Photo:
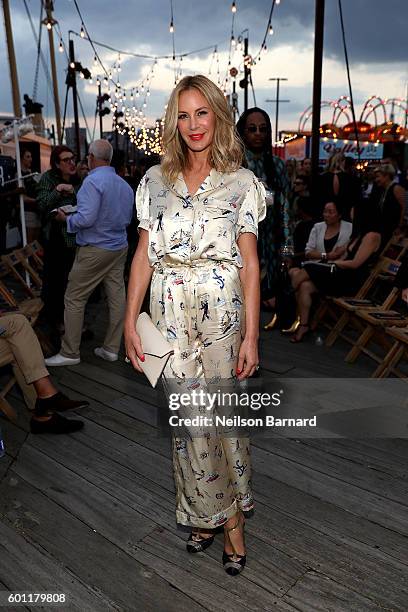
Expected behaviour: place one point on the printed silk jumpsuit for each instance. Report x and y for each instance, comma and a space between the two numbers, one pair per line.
197, 303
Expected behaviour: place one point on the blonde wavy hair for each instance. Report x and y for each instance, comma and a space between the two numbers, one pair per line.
226, 151
336, 162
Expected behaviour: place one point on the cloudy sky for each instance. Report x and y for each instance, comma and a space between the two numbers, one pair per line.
376, 33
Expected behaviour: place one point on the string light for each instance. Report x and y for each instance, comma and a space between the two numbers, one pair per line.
61, 46
171, 28
82, 32
49, 25
234, 7
269, 30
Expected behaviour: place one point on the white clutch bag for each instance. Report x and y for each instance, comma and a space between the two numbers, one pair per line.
156, 349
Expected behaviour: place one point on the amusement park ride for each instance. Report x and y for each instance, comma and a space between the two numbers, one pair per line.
383, 115
382, 123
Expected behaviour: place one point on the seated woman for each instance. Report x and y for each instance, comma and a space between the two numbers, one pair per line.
328, 239
346, 276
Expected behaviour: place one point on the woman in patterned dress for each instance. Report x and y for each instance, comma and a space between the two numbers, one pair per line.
254, 128
198, 217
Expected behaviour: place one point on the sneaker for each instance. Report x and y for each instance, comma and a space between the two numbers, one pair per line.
59, 403
60, 360
104, 354
57, 424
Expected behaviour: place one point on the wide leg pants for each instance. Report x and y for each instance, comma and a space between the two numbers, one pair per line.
199, 309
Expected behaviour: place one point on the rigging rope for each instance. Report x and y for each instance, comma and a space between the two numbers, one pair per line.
40, 54
349, 79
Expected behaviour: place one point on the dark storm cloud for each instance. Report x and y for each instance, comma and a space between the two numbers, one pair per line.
375, 29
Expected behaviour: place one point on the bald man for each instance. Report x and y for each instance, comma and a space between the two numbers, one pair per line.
104, 210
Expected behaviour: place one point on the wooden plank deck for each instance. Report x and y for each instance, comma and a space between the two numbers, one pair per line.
92, 515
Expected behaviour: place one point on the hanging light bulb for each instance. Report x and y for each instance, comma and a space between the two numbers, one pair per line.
277, 1
270, 29
95, 61
233, 41
61, 46
49, 25
72, 65
119, 68
234, 7
82, 32
171, 28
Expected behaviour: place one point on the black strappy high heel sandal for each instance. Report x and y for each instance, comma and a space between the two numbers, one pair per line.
234, 563
197, 544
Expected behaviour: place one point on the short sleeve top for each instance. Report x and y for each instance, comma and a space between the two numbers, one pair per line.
184, 228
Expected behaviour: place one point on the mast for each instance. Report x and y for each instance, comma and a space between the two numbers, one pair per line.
12, 60
50, 22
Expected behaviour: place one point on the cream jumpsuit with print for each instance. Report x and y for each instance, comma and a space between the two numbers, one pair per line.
197, 303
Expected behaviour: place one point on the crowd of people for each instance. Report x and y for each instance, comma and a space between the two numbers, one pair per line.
344, 219
225, 227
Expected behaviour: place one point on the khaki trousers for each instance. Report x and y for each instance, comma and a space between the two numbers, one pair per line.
19, 346
91, 267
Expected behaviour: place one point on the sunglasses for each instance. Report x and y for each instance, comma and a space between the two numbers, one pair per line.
254, 128
68, 160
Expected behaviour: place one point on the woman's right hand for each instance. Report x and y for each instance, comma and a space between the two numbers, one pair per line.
65, 187
133, 347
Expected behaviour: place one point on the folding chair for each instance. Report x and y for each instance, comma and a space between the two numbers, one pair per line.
385, 270
376, 321
398, 349
4, 405
18, 266
30, 307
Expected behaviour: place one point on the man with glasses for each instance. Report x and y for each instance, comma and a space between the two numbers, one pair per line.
105, 206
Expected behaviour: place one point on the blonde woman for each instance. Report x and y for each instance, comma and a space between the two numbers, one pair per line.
198, 217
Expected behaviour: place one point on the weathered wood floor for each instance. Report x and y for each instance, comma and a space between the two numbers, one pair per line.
92, 515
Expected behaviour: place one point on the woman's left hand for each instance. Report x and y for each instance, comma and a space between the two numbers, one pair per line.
248, 359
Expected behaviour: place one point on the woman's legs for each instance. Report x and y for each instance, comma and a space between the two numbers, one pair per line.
304, 294
298, 276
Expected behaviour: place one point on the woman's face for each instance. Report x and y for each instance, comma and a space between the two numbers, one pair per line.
27, 159
299, 185
66, 164
256, 131
196, 120
330, 214
381, 180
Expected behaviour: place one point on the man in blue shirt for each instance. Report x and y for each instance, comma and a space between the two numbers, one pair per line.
104, 210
